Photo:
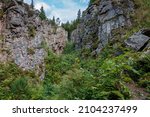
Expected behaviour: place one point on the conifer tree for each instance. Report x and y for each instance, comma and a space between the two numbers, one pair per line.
53, 19
32, 3
91, 2
79, 15
42, 14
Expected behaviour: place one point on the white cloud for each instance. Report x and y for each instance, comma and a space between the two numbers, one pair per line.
38, 6
66, 13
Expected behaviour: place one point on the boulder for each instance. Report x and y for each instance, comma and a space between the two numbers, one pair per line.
139, 40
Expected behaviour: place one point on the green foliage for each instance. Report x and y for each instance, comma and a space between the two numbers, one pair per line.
70, 26
144, 83
77, 75
18, 84
93, 1
20, 88
141, 16
1, 13
31, 51
1, 38
79, 15
44, 46
73, 77
53, 21
42, 14
70, 76
69, 48
31, 31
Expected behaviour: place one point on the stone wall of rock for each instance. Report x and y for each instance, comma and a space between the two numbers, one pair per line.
23, 37
99, 21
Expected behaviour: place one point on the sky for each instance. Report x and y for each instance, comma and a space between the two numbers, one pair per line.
66, 10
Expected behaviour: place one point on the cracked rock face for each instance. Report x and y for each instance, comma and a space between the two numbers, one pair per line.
23, 36
113, 15
99, 21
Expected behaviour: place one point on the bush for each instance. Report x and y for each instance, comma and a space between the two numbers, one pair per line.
1, 14
17, 84
31, 31
20, 88
70, 48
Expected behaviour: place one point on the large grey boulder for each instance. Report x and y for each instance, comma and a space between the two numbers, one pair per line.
139, 40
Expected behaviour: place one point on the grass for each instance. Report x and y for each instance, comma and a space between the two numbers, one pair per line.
70, 76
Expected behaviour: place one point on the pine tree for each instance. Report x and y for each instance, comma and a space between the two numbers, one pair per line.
91, 2
79, 15
32, 4
53, 19
42, 14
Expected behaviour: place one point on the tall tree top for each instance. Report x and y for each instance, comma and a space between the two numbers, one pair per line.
32, 3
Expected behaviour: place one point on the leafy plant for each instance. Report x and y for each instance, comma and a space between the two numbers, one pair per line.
31, 31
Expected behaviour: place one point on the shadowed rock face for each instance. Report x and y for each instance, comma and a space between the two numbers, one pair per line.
25, 37
113, 15
99, 21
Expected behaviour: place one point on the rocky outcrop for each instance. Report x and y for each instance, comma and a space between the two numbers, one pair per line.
99, 21
139, 40
25, 37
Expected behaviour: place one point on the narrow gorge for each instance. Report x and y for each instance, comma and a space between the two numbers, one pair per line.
106, 56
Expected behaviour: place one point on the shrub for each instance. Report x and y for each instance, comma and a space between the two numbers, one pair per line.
31, 51
93, 1
18, 84
1, 14
20, 89
69, 48
31, 31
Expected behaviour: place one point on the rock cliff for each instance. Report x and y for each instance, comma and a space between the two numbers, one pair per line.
99, 22
24, 37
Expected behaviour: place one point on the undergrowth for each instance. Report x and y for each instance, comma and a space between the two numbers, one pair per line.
70, 76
